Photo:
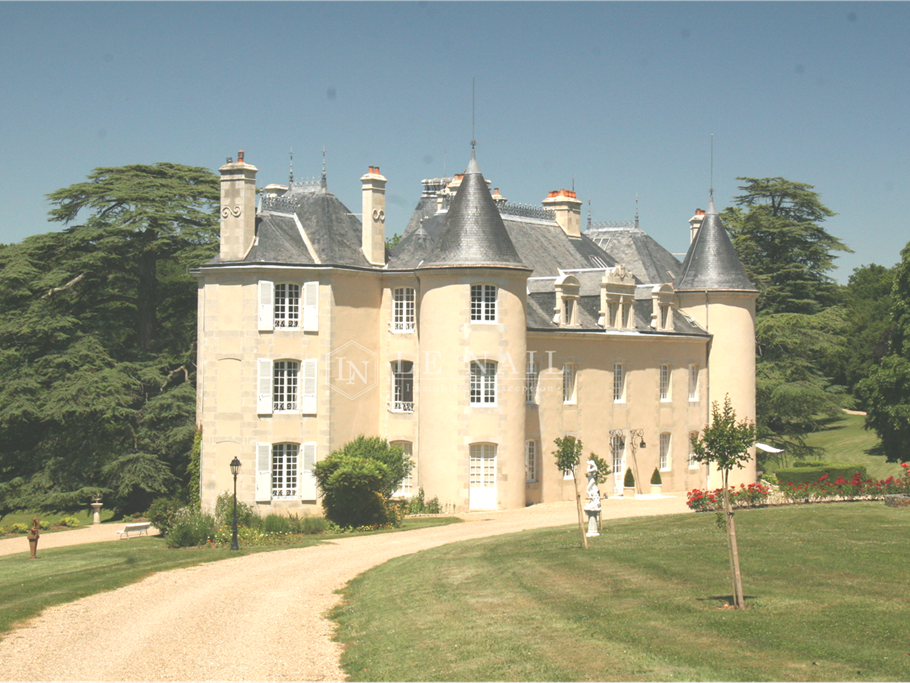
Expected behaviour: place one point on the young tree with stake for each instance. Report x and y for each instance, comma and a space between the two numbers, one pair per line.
725, 443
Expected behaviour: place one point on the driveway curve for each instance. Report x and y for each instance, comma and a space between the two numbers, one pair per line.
255, 618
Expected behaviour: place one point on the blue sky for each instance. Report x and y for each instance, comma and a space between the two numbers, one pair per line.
621, 97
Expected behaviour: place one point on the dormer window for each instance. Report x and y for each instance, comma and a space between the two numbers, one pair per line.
662, 297
617, 292
483, 303
567, 289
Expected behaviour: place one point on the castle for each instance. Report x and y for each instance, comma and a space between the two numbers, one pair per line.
489, 331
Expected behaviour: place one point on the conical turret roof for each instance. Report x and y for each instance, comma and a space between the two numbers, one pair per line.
473, 233
711, 262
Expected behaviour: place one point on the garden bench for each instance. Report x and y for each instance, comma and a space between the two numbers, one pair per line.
137, 528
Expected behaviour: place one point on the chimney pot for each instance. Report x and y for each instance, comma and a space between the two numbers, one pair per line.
699, 212
240, 157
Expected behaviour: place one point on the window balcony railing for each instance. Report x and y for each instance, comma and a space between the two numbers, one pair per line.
401, 406
401, 327
284, 406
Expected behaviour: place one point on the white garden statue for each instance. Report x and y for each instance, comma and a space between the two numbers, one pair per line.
592, 509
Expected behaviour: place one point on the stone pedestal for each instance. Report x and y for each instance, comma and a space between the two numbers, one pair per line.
96, 517
593, 516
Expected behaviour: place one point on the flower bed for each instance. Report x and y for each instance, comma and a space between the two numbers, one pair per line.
753, 495
858, 487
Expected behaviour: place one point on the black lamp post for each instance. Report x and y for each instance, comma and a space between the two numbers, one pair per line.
235, 470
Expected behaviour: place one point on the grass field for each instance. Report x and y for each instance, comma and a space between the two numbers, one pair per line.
65, 574
845, 440
826, 590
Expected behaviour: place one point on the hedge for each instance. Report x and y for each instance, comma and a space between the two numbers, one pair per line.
811, 474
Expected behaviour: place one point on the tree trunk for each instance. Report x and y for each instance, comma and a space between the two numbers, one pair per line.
146, 300
738, 599
581, 523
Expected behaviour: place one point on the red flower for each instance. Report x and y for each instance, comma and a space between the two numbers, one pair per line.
824, 476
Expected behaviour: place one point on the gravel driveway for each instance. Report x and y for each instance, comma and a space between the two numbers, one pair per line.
254, 618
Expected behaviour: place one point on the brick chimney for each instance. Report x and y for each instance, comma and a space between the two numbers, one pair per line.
238, 208
373, 232
568, 210
695, 224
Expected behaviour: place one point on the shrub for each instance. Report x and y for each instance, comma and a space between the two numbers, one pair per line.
655, 478
312, 524
162, 513
753, 495
629, 480
191, 527
224, 512
273, 523
419, 505
351, 488
69, 522
18, 528
44, 526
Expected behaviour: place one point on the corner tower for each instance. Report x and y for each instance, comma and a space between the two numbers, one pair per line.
472, 325
715, 291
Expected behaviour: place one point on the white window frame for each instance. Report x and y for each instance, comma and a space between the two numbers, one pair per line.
482, 476
403, 317
483, 303
285, 471
286, 386
306, 386
286, 306
619, 383
402, 387
406, 488
483, 383
569, 382
664, 457
304, 483
532, 377
531, 460
665, 381
307, 307
693, 382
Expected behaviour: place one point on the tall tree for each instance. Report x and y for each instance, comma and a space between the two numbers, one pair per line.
775, 227
886, 391
98, 397
725, 443
776, 232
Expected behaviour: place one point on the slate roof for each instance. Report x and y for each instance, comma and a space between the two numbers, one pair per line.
711, 262
639, 252
472, 232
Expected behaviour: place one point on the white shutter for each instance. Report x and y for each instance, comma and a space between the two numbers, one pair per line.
310, 306
264, 387
307, 480
308, 387
263, 472
266, 305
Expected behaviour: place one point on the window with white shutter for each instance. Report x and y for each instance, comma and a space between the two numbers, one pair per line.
307, 480
311, 306
263, 472
266, 305
308, 387
264, 387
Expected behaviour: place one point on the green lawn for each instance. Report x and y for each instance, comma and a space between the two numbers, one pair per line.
85, 519
65, 574
845, 440
826, 590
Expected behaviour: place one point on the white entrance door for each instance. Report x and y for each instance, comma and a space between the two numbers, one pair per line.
618, 446
483, 476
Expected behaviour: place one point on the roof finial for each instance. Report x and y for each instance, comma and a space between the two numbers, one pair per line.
323, 183
589, 214
473, 141
711, 191
291, 176
636, 210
